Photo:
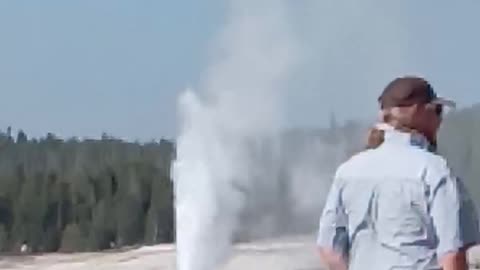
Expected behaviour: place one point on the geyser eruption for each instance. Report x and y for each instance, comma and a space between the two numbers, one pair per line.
236, 167
239, 105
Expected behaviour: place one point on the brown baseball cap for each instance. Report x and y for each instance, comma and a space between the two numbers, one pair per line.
408, 91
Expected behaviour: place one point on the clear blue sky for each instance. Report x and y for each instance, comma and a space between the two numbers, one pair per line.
84, 67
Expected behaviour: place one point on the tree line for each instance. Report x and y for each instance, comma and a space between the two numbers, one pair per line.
86, 195
91, 195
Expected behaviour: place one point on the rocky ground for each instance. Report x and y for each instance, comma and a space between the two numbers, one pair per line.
292, 254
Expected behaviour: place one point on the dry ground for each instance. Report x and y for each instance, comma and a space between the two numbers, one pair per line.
291, 254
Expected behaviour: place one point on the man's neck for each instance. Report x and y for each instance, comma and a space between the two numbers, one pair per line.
407, 136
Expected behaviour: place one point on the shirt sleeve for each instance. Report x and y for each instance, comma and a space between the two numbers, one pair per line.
333, 232
454, 216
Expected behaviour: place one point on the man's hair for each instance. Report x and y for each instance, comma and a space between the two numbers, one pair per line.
398, 117
375, 138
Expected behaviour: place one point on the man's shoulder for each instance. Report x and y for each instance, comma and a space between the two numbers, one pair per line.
356, 162
420, 156
434, 163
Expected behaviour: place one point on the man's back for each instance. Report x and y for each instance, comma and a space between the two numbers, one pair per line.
400, 206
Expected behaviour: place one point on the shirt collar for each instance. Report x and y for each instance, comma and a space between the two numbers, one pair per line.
394, 136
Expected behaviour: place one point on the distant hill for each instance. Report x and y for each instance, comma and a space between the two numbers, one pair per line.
459, 141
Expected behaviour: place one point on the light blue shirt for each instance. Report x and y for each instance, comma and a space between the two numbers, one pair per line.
397, 207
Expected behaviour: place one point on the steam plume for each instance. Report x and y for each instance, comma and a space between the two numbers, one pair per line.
231, 150
241, 102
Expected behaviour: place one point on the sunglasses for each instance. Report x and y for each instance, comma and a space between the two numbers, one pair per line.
438, 108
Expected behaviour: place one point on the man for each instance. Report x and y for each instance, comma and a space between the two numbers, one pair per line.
397, 205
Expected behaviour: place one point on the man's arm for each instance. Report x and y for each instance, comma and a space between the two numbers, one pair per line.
333, 239
456, 223
454, 261
332, 259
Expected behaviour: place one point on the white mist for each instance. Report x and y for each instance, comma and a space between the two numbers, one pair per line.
239, 101
231, 153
